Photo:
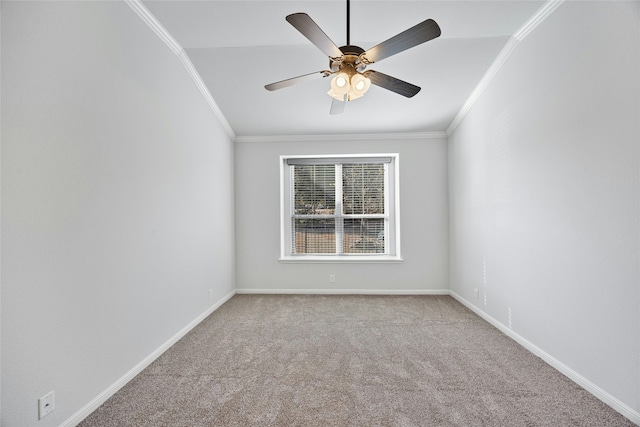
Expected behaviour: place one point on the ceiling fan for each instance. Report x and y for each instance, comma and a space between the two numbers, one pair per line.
348, 63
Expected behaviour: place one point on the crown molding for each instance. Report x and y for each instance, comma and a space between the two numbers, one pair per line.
543, 13
195, 76
151, 21
343, 137
497, 64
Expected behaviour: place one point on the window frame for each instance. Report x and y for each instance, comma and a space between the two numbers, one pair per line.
392, 209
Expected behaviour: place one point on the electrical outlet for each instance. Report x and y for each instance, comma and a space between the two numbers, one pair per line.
332, 278
210, 293
477, 293
46, 405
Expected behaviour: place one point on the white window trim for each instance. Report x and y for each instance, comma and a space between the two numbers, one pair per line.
285, 257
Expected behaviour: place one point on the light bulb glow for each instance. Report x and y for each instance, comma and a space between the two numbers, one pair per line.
339, 87
347, 87
359, 86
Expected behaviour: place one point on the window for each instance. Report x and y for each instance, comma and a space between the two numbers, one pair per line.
340, 208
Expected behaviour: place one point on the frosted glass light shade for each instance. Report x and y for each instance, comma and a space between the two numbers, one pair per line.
359, 86
339, 86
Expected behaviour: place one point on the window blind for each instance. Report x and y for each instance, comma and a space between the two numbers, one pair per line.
338, 208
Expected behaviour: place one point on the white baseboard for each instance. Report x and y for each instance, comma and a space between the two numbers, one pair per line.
345, 291
76, 418
583, 382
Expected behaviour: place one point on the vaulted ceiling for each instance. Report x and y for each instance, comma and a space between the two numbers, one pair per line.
239, 46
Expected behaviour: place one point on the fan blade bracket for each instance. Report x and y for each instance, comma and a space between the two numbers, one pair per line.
335, 64
362, 59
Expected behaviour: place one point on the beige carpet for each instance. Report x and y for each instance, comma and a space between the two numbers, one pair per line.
277, 360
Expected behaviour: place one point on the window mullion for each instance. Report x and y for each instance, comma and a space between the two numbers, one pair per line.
386, 209
339, 214
292, 202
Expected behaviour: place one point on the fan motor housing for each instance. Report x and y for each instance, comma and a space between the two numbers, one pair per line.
352, 50
350, 58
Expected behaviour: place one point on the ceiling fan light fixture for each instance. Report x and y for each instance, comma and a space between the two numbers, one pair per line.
341, 81
359, 86
347, 64
339, 86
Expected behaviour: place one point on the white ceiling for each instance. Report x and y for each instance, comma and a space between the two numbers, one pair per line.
239, 46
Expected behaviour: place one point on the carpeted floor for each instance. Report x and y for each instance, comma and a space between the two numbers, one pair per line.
284, 360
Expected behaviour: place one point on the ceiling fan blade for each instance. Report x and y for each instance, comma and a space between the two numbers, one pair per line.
418, 34
303, 23
295, 80
337, 107
391, 83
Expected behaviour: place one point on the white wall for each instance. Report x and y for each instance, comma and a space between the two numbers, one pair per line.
423, 218
544, 193
117, 202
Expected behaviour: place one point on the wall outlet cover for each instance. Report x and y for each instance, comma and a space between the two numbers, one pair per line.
46, 405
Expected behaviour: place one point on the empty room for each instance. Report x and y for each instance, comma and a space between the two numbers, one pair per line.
319, 213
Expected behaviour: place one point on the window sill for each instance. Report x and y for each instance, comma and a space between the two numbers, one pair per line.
330, 259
